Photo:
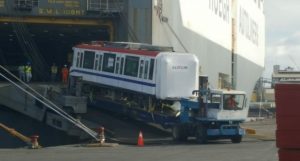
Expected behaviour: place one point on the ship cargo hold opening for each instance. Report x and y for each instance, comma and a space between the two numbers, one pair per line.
44, 42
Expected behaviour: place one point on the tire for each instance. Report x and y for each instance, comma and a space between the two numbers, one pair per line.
236, 139
201, 134
178, 133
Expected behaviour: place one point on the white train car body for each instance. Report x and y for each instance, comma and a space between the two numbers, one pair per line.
163, 74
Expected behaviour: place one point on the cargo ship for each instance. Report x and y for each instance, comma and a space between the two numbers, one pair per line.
226, 36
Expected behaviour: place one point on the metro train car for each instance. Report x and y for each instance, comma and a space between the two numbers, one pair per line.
133, 72
156, 85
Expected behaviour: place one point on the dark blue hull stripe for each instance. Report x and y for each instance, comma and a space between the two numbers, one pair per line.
114, 77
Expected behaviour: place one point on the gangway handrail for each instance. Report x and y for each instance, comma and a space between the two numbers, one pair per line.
56, 109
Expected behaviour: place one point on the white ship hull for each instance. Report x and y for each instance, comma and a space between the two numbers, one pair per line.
220, 33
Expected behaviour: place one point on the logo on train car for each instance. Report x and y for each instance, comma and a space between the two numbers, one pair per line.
180, 67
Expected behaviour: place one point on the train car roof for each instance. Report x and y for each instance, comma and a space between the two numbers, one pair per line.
125, 47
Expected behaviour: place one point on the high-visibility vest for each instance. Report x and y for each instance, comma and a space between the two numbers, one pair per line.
28, 69
54, 69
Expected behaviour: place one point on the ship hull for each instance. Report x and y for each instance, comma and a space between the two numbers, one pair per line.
227, 36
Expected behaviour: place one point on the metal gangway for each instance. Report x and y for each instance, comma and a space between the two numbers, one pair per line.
46, 102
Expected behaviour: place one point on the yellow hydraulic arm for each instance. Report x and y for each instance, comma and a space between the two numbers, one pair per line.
15, 133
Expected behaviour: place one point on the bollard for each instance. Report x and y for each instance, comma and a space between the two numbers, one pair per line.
101, 135
101, 140
34, 142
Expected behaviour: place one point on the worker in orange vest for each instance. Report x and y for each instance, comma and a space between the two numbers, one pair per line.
65, 74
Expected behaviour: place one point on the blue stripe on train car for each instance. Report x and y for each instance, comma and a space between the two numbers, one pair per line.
114, 77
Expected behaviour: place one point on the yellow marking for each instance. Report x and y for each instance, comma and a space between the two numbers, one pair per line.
250, 131
262, 137
15, 133
53, 20
60, 12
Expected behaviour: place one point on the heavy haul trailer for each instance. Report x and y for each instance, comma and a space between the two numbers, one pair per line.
155, 85
207, 117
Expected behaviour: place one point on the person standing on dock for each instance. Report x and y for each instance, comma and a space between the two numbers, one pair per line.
28, 72
53, 72
21, 70
65, 73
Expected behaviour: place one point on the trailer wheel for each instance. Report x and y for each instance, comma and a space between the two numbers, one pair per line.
201, 134
178, 133
236, 139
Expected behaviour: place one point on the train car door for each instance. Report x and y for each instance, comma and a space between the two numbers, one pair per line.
119, 68
141, 73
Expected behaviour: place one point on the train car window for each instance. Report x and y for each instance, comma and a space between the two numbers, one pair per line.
141, 69
109, 62
146, 69
96, 62
100, 63
89, 57
151, 69
117, 67
131, 66
121, 67
81, 60
78, 60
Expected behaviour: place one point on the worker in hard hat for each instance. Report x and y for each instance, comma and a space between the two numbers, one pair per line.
21, 70
65, 74
28, 71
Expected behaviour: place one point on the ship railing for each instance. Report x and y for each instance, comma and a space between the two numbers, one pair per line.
23, 4
107, 6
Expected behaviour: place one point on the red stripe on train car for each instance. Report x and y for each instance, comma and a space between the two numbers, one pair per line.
119, 50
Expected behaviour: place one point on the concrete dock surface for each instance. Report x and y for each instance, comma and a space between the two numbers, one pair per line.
218, 151
221, 150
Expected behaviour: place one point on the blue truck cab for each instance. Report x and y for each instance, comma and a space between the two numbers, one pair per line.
215, 114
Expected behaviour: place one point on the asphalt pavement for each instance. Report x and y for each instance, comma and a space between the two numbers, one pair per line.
248, 150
